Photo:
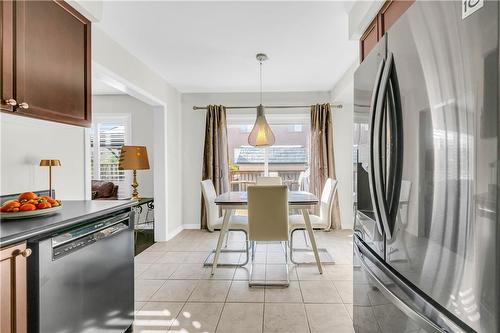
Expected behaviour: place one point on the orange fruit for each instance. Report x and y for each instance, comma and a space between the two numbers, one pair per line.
9, 205
43, 205
28, 196
27, 207
49, 199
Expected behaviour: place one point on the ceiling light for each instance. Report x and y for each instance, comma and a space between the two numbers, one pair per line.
261, 134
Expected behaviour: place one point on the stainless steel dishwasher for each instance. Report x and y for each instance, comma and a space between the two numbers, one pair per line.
82, 280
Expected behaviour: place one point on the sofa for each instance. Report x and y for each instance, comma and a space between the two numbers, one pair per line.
104, 190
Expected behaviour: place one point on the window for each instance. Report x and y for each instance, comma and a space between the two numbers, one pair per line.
108, 135
246, 128
287, 158
295, 128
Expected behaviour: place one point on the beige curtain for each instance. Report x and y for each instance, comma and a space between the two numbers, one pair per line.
322, 160
215, 153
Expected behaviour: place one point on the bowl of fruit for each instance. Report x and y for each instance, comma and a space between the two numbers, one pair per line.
28, 204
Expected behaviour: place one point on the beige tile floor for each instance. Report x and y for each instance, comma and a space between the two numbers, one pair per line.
174, 293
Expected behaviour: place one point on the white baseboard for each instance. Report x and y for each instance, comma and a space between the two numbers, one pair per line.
174, 233
191, 226
177, 230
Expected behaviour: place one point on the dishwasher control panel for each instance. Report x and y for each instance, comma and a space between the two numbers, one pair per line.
70, 247
80, 237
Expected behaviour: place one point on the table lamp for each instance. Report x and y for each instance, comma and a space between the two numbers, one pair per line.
50, 164
134, 158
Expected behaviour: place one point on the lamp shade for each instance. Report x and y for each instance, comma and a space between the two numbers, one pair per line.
50, 163
134, 158
261, 134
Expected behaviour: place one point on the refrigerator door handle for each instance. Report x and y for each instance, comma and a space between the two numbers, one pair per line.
386, 186
374, 138
396, 145
425, 322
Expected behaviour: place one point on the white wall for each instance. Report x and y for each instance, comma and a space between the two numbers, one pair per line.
178, 137
343, 93
138, 80
361, 15
174, 157
25, 141
193, 133
141, 131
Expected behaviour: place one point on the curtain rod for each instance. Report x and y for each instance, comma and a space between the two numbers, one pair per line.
334, 106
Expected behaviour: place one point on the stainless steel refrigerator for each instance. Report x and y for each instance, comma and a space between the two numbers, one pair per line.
426, 150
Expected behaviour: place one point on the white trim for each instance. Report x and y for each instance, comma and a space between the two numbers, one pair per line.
172, 234
361, 15
87, 157
118, 82
192, 226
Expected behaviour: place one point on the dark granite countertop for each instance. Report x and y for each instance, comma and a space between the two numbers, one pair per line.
72, 213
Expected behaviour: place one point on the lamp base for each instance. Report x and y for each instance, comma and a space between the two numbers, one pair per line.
135, 194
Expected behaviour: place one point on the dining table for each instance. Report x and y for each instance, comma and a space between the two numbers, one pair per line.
299, 200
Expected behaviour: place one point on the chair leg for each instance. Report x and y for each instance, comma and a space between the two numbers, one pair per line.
227, 238
305, 238
286, 264
246, 251
286, 252
271, 284
250, 274
292, 249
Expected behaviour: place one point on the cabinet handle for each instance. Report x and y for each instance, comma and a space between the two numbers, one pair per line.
24, 105
11, 102
26, 253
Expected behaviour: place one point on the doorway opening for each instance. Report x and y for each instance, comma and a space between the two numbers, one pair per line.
124, 115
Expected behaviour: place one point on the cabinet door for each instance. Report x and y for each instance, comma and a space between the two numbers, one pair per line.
13, 289
369, 39
390, 13
53, 58
7, 56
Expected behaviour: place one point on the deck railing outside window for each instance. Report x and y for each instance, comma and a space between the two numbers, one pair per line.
240, 180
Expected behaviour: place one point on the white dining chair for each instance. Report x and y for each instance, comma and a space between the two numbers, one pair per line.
303, 180
214, 221
268, 221
321, 222
269, 181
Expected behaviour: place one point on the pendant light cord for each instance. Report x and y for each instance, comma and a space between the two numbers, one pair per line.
260, 62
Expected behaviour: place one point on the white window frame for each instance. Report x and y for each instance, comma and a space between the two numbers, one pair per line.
296, 128
125, 118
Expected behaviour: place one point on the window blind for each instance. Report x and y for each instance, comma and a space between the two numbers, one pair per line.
110, 137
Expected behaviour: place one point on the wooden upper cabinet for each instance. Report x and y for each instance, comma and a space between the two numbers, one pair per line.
388, 14
52, 57
13, 280
7, 56
369, 39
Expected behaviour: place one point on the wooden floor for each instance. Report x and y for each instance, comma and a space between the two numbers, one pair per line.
175, 293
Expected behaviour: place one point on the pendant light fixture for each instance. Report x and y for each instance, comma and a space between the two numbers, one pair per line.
261, 134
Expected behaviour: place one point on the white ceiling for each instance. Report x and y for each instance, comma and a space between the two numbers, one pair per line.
211, 46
